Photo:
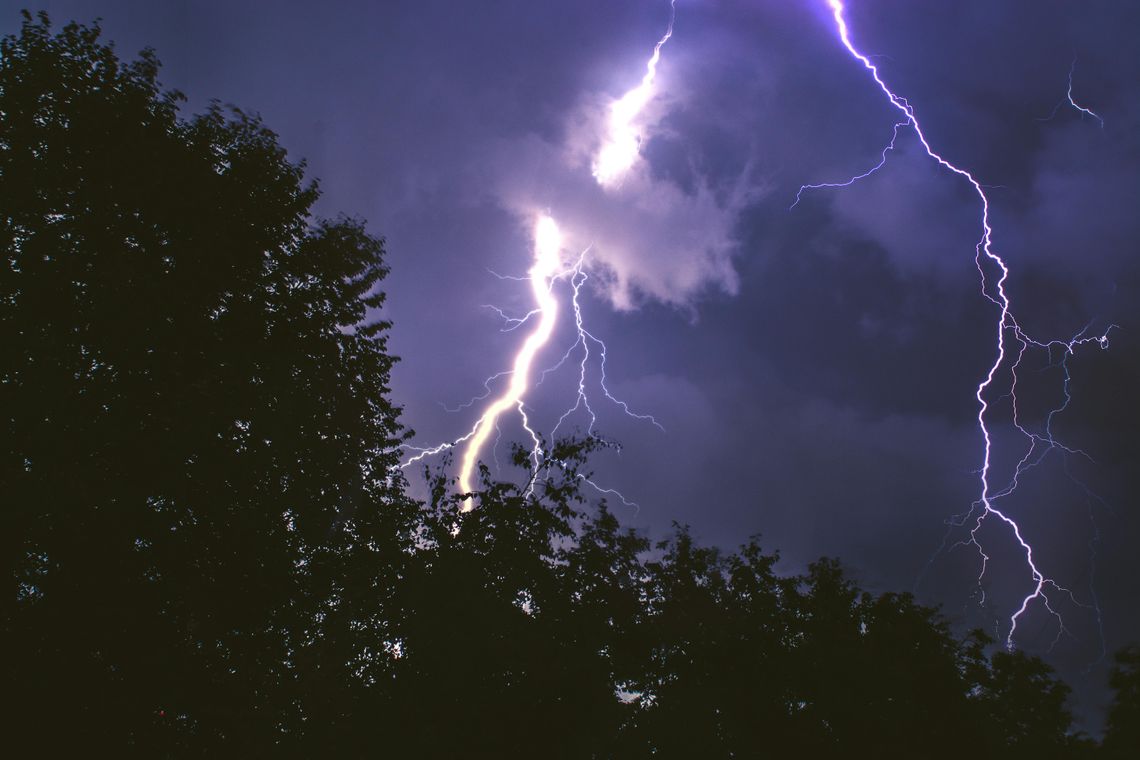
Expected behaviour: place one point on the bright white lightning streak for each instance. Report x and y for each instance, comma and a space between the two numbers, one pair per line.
547, 262
623, 141
547, 270
1042, 585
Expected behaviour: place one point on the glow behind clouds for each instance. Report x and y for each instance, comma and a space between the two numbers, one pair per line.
623, 139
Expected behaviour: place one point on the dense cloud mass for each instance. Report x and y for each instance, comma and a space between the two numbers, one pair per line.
819, 361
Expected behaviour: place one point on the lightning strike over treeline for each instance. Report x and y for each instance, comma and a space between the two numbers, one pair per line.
1011, 341
618, 153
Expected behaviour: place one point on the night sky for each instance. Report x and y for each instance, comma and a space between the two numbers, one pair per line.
814, 369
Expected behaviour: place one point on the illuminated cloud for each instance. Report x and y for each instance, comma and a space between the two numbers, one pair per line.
650, 237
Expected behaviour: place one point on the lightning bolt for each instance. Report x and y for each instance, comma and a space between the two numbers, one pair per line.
618, 153
621, 148
1073, 103
1011, 340
852, 180
547, 269
585, 340
547, 265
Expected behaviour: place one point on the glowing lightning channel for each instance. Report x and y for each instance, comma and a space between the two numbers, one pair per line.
1042, 585
623, 141
547, 262
546, 270
615, 157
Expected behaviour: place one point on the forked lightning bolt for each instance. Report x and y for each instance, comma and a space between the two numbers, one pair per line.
616, 156
1011, 340
547, 270
1069, 99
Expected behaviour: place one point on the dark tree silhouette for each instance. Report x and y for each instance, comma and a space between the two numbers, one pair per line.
1025, 705
1122, 738
210, 542
197, 437
517, 620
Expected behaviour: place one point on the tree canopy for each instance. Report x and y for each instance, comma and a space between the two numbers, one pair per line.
198, 442
213, 550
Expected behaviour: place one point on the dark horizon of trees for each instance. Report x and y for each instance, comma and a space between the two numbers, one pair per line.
212, 550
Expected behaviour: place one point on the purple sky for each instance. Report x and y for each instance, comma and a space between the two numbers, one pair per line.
814, 368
